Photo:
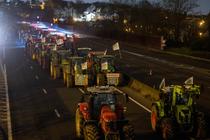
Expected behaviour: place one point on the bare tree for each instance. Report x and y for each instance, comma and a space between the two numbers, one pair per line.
178, 11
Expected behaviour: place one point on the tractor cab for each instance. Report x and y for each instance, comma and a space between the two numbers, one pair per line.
107, 63
76, 72
83, 52
107, 73
103, 110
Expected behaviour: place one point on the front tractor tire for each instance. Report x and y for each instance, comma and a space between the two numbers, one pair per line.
155, 119
91, 132
79, 124
199, 129
128, 131
69, 81
167, 129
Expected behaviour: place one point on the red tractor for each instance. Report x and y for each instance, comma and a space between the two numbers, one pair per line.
100, 116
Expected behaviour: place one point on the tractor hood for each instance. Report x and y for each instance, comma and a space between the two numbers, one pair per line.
107, 114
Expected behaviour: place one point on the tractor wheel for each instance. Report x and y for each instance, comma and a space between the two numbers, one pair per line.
128, 131
79, 124
54, 73
167, 129
51, 70
199, 129
112, 137
69, 81
64, 77
154, 119
91, 132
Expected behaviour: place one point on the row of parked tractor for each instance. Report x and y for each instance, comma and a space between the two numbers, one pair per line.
100, 115
100, 112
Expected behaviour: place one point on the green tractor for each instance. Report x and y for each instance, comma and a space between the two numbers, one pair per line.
76, 72
106, 72
58, 62
176, 111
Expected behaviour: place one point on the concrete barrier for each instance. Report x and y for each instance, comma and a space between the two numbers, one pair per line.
143, 89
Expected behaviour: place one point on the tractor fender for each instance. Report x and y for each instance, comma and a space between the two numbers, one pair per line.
160, 109
84, 109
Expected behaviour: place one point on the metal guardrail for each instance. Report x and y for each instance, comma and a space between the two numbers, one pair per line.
5, 115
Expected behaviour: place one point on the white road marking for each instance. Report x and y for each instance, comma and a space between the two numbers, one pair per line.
57, 113
37, 77
44, 90
31, 67
82, 90
139, 104
145, 108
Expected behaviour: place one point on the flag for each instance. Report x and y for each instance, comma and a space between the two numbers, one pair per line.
84, 66
104, 66
162, 84
116, 47
105, 52
189, 81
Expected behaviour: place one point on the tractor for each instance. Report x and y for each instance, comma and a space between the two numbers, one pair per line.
77, 73
107, 73
58, 61
83, 52
176, 111
100, 115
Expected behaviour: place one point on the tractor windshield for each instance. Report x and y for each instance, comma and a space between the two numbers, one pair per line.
104, 99
83, 52
182, 99
107, 64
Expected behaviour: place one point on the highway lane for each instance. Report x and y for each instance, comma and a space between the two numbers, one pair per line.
43, 109
150, 68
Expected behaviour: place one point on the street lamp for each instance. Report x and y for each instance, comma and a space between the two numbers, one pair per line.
201, 23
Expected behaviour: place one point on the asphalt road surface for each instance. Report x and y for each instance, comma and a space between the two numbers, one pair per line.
43, 109
151, 67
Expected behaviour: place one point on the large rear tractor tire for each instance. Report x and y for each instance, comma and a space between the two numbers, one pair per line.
128, 131
199, 129
69, 81
64, 77
51, 70
167, 129
91, 132
155, 119
79, 124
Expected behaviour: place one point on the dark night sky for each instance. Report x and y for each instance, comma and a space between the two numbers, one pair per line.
204, 5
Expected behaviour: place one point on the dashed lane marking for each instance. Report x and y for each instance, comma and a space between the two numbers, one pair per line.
82, 90
139, 104
57, 113
44, 90
37, 77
